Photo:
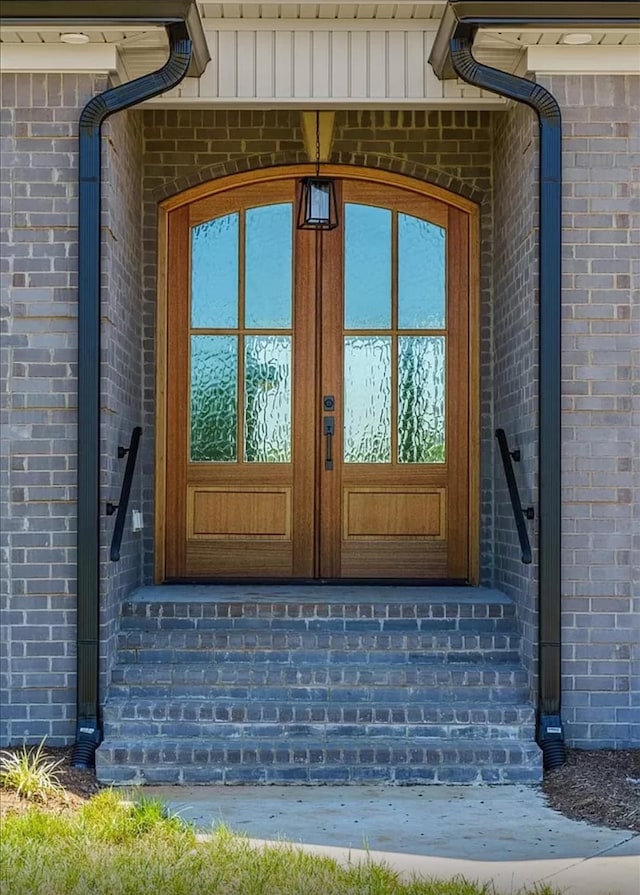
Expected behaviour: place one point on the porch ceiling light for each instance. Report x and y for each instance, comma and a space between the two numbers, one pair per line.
74, 37
318, 208
576, 39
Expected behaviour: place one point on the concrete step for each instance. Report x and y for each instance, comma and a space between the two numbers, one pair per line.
304, 760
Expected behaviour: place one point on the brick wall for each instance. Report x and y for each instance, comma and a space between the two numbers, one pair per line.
514, 355
601, 362
601, 419
39, 119
39, 422
122, 358
184, 147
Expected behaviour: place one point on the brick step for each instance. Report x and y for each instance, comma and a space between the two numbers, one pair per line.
206, 641
263, 676
336, 625
235, 732
498, 695
302, 760
303, 658
221, 709
333, 605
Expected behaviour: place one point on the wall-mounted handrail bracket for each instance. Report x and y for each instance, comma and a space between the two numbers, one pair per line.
123, 505
519, 511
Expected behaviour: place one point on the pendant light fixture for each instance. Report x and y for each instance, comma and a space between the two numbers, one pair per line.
318, 208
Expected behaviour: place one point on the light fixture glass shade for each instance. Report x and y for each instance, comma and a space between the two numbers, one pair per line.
318, 208
74, 37
576, 38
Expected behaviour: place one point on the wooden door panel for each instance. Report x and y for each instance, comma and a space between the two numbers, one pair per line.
234, 512
238, 559
398, 514
388, 561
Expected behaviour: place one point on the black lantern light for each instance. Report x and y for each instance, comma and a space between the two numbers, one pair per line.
318, 208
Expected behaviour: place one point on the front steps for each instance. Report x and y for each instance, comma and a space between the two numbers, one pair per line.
311, 684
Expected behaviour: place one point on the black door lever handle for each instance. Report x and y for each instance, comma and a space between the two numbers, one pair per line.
329, 429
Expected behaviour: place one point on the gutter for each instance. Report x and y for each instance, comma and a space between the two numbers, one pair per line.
530, 15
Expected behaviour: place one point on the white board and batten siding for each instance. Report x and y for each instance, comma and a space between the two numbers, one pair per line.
309, 67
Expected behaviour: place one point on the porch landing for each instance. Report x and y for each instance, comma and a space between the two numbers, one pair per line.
318, 593
318, 684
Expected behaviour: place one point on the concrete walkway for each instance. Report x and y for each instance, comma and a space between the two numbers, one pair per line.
505, 834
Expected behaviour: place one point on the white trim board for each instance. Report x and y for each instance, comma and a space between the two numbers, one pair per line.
584, 60
312, 104
59, 58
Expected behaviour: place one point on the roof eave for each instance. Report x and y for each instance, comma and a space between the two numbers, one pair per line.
531, 14
113, 12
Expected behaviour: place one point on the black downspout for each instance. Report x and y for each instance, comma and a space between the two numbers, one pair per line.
97, 110
550, 736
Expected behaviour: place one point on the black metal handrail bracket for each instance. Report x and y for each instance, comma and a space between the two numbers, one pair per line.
519, 512
123, 504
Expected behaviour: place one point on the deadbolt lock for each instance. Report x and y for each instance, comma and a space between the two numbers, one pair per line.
328, 402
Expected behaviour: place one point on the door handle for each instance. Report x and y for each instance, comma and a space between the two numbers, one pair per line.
329, 430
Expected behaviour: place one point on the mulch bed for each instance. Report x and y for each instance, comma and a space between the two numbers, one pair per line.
77, 786
598, 786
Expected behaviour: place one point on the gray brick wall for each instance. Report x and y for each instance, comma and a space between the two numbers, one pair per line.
39, 119
122, 358
600, 419
39, 348
601, 408
514, 355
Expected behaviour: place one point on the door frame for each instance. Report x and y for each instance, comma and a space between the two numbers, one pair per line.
339, 172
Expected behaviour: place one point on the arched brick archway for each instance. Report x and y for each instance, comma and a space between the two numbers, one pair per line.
371, 160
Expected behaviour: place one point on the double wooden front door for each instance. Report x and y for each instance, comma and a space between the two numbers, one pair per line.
317, 387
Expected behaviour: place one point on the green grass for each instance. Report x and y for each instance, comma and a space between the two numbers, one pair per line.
110, 847
30, 773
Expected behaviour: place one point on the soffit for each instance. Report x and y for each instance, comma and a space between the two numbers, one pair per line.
517, 38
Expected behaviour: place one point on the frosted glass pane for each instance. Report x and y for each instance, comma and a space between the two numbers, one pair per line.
367, 399
214, 273
214, 390
367, 267
421, 399
421, 274
267, 399
268, 266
